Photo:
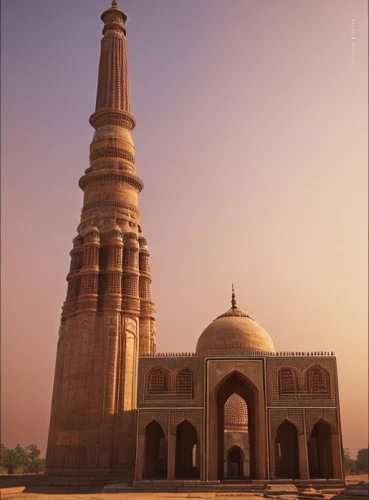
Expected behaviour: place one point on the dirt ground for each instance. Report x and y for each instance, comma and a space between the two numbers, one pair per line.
47, 493
357, 479
137, 496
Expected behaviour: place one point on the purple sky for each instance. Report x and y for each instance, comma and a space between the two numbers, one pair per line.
251, 140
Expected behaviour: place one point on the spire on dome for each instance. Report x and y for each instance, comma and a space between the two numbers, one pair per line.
233, 301
114, 3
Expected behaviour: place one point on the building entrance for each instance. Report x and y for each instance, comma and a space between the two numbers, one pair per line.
236, 406
235, 463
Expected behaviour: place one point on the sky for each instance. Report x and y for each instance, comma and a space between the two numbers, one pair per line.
251, 140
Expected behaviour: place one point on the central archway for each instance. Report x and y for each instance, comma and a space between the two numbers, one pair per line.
237, 384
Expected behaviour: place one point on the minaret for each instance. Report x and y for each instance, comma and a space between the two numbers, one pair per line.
108, 317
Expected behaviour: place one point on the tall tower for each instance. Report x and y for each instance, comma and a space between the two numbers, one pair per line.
108, 317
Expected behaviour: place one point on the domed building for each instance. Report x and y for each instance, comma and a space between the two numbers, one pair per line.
238, 410
234, 410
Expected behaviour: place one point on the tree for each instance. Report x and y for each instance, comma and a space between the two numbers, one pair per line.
36, 466
362, 460
350, 464
32, 451
14, 458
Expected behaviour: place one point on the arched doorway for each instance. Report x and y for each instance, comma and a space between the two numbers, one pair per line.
235, 463
320, 452
237, 384
287, 452
186, 452
155, 452
236, 436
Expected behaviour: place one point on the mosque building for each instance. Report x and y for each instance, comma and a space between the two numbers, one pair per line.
234, 410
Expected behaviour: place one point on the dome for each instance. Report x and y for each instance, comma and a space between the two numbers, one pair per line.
233, 330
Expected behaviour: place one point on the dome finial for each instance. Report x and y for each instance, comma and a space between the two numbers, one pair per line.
114, 3
234, 306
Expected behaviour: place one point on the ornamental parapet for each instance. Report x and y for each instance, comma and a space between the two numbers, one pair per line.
244, 353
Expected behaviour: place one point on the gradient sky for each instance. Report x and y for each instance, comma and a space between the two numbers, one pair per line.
251, 140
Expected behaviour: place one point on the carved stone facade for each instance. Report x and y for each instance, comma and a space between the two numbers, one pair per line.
235, 409
246, 427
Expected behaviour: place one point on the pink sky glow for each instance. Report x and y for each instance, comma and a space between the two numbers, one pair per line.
251, 140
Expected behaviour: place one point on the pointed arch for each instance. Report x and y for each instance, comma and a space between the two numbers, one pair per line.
235, 460
237, 383
155, 452
320, 451
286, 450
186, 440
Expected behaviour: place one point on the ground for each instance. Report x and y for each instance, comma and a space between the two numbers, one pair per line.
88, 493
356, 479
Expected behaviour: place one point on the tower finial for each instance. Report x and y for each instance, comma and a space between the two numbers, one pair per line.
114, 3
234, 306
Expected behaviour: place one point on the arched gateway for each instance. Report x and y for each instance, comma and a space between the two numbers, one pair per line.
236, 431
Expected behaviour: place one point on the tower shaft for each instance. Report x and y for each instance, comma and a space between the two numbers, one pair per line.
108, 317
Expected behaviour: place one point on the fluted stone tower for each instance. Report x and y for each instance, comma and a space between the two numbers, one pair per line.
108, 317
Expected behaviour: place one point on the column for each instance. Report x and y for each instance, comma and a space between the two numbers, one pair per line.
171, 456
140, 461
336, 457
303, 465
146, 312
74, 278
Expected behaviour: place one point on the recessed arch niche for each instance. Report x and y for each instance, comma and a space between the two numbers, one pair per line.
236, 383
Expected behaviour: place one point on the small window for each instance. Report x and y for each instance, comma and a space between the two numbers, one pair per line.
287, 381
184, 382
157, 381
318, 380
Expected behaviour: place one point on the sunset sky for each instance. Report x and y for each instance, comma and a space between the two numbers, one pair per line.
251, 139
